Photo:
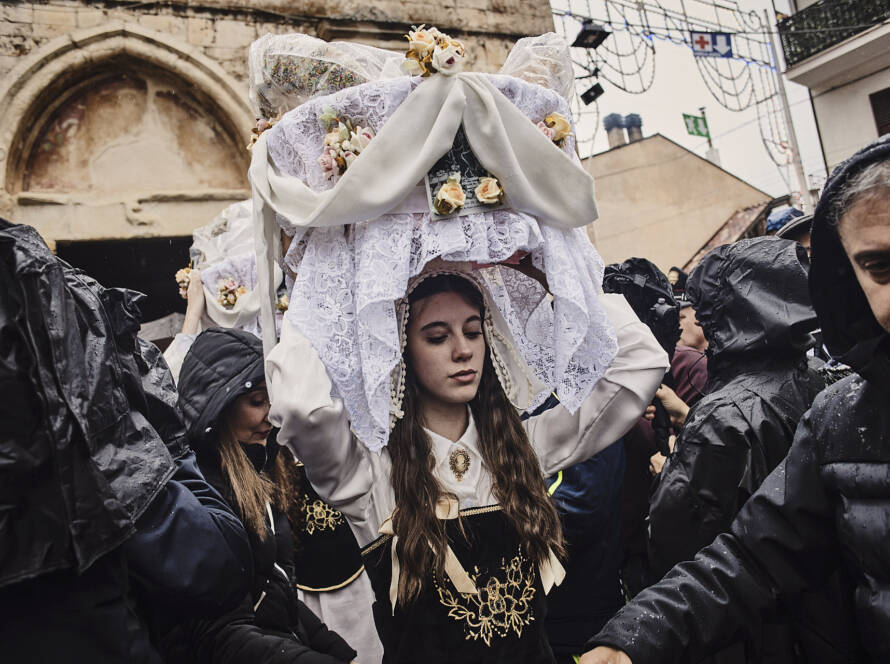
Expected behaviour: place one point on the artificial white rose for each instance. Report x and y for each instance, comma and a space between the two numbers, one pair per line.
489, 191
450, 196
422, 41
448, 59
360, 138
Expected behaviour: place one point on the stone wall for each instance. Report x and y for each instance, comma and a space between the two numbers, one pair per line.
223, 30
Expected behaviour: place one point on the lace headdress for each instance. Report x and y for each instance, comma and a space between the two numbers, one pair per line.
346, 176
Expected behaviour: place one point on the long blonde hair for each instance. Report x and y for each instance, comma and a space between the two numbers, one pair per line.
252, 490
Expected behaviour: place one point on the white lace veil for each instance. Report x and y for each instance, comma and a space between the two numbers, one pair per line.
221, 250
358, 242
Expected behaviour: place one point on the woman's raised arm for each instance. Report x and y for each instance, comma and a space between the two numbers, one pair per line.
619, 399
315, 426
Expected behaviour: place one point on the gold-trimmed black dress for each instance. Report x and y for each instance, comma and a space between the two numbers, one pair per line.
502, 622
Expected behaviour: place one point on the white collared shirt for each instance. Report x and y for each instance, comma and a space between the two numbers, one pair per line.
474, 487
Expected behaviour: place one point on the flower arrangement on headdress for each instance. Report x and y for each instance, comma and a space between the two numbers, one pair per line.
261, 125
228, 292
489, 191
450, 197
556, 127
183, 277
431, 51
343, 142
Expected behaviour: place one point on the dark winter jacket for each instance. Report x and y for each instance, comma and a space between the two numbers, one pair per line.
825, 510
689, 368
95, 537
587, 498
752, 301
270, 624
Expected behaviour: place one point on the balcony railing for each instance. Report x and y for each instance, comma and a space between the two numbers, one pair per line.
826, 23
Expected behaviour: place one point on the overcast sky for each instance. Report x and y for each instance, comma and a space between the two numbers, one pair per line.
678, 88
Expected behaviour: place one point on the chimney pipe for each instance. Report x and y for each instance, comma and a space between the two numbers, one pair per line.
614, 126
634, 124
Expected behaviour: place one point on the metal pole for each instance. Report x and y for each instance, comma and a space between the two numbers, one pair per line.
792, 136
704, 117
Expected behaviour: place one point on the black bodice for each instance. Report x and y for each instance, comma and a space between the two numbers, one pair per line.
504, 622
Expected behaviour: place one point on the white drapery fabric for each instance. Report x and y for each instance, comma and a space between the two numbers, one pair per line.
357, 242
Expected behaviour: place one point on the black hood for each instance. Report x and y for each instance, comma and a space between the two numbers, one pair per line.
221, 365
849, 328
752, 296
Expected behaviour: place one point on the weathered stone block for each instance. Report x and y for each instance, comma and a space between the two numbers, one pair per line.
63, 16
90, 18
17, 14
200, 31
232, 34
172, 26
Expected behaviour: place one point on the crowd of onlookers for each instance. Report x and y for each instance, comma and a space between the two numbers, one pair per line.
742, 518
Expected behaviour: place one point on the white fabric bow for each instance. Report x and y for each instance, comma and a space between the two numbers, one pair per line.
535, 174
538, 178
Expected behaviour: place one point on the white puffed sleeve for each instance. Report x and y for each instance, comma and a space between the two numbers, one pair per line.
617, 401
315, 426
176, 352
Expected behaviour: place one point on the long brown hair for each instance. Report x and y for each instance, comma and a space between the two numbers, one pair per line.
252, 490
507, 454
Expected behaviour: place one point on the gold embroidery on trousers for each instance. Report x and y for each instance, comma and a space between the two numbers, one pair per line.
319, 516
503, 603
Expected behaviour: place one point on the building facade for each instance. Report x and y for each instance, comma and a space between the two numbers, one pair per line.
840, 50
645, 211
123, 125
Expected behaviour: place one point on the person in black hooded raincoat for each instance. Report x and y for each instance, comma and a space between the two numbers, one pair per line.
752, 302
222, 373
106, 519
826, 508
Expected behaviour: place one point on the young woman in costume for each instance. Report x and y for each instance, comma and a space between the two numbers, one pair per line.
225, 405
460, 538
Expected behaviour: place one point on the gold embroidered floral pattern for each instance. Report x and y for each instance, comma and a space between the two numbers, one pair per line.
319, 516
503, 603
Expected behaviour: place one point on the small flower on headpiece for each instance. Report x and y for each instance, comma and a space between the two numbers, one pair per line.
448, 57
430, 50
560, 125
328, 163
422, 41
451, 196
547, 131
360, 137
183, 277
489, 191
342, 143
283, 303
261, 125
228, 292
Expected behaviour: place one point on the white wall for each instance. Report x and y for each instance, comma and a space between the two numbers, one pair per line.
845, 118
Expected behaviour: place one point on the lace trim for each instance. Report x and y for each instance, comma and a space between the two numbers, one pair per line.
348, 280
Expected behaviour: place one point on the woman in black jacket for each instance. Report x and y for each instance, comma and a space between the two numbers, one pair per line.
826, 507
223, 397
